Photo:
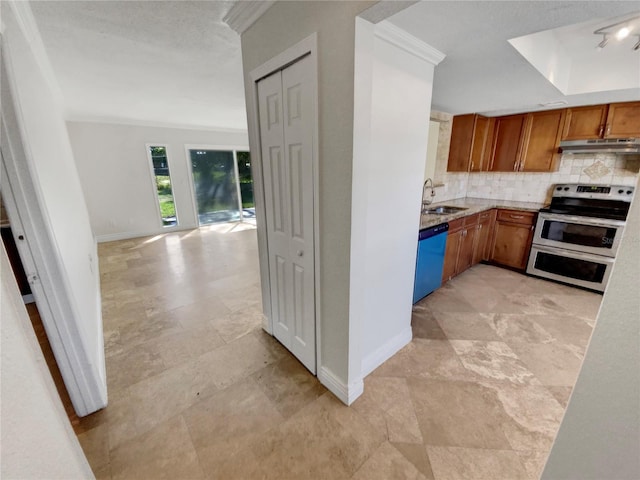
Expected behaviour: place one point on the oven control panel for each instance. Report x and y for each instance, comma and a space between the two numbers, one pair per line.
605, 192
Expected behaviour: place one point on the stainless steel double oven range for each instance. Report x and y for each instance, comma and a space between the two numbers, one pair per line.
577, 236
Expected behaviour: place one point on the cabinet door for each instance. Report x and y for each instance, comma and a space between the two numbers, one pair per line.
452, 248
461, 140
480, 146
541, 141
506, 143
512, 242
623, 120
585, 122
451, 255
481, 249
467, 242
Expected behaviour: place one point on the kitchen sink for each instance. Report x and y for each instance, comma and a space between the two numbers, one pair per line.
444, 210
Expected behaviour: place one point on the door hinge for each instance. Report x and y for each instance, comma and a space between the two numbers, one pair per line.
33, 278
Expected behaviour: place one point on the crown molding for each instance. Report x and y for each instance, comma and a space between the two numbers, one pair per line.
132, 122
407, 42
244, 14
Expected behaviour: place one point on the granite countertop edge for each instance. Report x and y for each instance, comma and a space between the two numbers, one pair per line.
473, 206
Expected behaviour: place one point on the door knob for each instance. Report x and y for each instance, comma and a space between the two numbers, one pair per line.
300, 253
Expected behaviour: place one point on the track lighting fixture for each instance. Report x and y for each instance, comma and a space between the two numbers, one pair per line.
620, 31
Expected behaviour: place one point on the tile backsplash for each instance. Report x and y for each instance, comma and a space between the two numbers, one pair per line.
537, 187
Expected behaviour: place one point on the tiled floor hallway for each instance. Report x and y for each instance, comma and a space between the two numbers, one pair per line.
197, 390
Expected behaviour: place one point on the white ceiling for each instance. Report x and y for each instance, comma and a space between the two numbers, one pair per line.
173, 63
484, 73
176, 63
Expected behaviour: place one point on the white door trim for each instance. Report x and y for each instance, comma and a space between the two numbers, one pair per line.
41, 259
307, 46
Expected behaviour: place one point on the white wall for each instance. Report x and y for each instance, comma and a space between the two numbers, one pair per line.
36, 436
388, 167
600, 434
49, 157
116, 177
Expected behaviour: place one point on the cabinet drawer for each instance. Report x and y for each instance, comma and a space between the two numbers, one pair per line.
516, 216
455, 225
484, 215
470, 220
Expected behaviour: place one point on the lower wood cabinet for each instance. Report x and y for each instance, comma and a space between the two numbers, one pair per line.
468, 243
482, 249
512, 236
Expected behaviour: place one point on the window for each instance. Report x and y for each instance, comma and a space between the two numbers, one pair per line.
223, 185
162, 180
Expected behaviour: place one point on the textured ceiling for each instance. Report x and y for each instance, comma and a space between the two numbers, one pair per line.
484, 73
173, 63
177, 63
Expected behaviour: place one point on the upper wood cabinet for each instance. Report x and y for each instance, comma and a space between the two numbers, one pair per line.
616, 120
541, 138
623, 120
527, 142
507, 142
585, 123
470, 148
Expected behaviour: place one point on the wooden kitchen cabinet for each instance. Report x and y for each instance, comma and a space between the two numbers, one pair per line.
623, 120
616, 120
527, 142
507, 140
470, 146
454, 238
541, 139
460, 248
584, 123
512, 236
467, 244
482, 248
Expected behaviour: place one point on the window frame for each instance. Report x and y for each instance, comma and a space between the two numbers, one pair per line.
154, 187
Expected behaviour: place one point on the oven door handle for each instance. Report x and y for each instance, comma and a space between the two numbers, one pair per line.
571, 253
584, 220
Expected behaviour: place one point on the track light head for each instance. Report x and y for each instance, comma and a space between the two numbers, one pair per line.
603, 43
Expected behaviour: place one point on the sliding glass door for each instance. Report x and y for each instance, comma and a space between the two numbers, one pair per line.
223, 185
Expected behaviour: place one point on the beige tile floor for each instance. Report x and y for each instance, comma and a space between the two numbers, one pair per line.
197, 390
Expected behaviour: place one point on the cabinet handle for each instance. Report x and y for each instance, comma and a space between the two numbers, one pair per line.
516, 216
601, 131
472, 164
608, 129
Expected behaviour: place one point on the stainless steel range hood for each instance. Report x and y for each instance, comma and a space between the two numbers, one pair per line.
626, 146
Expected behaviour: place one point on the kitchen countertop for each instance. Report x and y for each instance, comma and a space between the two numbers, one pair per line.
473, 205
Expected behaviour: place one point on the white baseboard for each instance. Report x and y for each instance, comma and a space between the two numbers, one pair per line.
347, 394
266, 325
385, 351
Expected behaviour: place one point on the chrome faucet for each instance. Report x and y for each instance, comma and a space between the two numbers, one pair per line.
428, 182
